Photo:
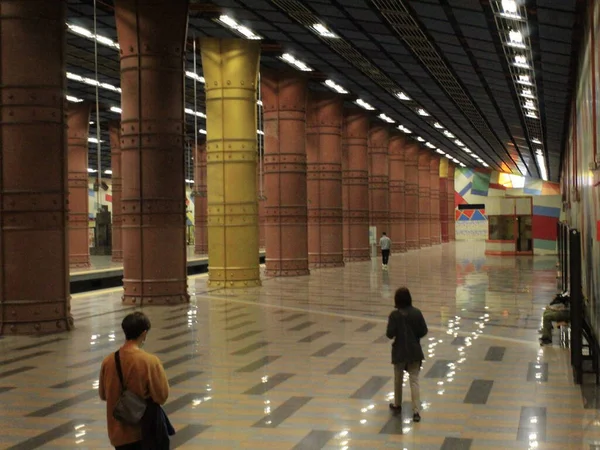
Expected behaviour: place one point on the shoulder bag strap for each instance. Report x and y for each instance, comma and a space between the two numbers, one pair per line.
119, 371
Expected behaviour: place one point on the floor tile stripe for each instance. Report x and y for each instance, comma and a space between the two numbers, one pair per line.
41, 440
269, 384
368, 390
479, 392
315, 440
282, 412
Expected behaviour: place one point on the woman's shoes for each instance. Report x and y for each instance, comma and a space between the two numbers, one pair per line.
416, 417
395, 409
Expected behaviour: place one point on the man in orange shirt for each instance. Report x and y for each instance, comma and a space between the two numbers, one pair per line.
143, 375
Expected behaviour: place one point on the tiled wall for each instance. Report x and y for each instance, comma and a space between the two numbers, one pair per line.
579, 184
481, 186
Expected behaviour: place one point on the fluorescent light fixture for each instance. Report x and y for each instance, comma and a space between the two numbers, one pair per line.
536, 141
189, 181
295, 62
194, 76
73, 99
404, 129
92, 82
484, 164
532, 115
529, 105
515, 39
420, 139
422, 112
259, 102
459, 143
525, 79
521, 61
438, 125
360, 102
455, 160
93, 140
262, 133
191, 112
92, 170
240, 29
324, 31
201, 131
539, 156
473, 155
448, 155
467, 150
527, 93
116, 109
461, 165
449, 135
430, 145
403, 96
510, 9
385, 118
84, 32
440, 151
108, 172
334, 86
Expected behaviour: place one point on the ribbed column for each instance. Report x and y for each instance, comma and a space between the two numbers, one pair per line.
231, 70
200, 206
397, 157
114, 130
411, 197
379, 186
34, 265
434, 212
355, 187
324, 180
262, 210
284, 109
152, 36
78, 125
451, 203
424, 200
443, 182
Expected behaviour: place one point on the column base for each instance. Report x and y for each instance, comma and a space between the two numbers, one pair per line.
348, 259
286, 272
354, 255
201, 250
117, 256
80, 264
323, 265
32, 327
436, 242
234, 284
412, 245
159, 300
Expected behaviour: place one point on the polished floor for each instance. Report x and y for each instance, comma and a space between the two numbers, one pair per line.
302, 363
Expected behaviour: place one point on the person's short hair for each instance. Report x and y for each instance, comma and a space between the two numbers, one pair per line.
384, 233
402, 298
135, 324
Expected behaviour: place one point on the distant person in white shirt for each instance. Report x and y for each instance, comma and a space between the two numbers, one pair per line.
385, 243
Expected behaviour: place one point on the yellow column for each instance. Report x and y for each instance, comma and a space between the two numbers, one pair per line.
443, 167
230, 69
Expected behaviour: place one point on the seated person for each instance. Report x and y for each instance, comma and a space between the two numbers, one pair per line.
557, 311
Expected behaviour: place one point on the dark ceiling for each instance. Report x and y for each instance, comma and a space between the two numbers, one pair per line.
449, 56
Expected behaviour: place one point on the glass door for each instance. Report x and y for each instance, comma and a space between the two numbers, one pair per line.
524, 236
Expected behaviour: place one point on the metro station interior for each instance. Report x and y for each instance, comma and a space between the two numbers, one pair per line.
228, 168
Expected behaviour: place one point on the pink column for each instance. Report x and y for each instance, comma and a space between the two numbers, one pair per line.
200, 203
324, 180
451, 204
115, 165
34, 261
379, 185
78, 123
397, 192
411, 205
284, 108
434, 185
152, 36
355, 192
424, 200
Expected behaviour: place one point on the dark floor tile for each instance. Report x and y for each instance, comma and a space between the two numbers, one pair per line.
78, 380
459, 340
366, 327
537, 371
479, 392
495, 354
315, 440
176, 325
42, 439
532, 420
250, 348
368, 390
393, 425
237, 316
186, 434
453, 443
293, 317
381, 340
18, 370
175, 335
237, 326
6, 389
181, 402
314, 336
179, 360
271, 382
245, 335
301, 326
439, 369
64, 404
328, 350
254, 366
173, 348
183, 377
5, 362
37, 344
346, 366
282, 412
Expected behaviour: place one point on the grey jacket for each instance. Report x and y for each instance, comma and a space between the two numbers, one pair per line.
406, 327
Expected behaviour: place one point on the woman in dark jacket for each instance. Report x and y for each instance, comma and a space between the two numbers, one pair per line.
406, 325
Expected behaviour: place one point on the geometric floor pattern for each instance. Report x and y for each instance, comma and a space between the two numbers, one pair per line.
303, 363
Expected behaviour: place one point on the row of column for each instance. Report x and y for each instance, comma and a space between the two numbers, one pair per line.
329, 174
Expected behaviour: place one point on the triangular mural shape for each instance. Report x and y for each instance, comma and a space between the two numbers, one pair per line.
468, 212
477, 215
463, 218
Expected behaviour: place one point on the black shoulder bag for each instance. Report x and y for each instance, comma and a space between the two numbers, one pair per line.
130, 407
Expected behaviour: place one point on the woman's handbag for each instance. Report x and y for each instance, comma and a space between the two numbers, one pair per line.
130, 407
